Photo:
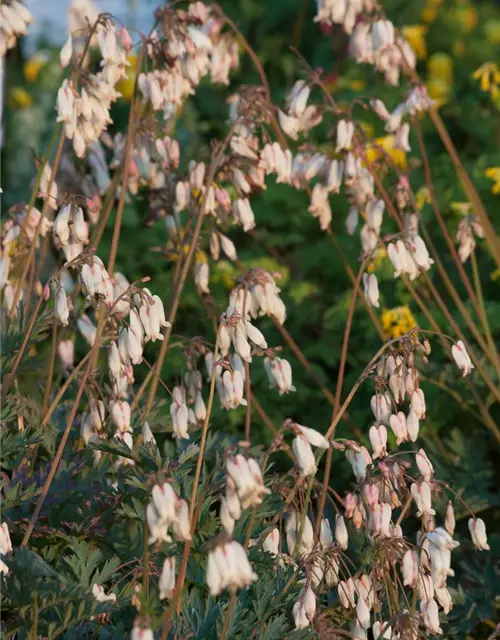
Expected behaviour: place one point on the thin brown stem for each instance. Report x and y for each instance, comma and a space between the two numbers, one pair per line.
338, 396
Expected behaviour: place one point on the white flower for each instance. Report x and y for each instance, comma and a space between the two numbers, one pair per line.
62, 308
225, 516
358, 460
140, 633
381, 631
5, 542
341, 535
304, 456
412, 425
370, 285
421, 493
304, 609
167, 579
443, 596
315, 438
347, 593
398, 425
430, 613
179, 415
66, 353
363, 613
462, 358
378, 440
345, 132
477, 530
424, 465
289, 124
279, 373
449, 522
147, 434
418, 403
410, 568
272, 542
292, 529
120, 414
246, 477
297, 98
382, 407
100, 596
228, 566
66, 51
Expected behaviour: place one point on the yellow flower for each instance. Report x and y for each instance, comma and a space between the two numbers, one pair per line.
462, 208
376, 260
422, 197
466, 18
493, 173
375, 151
492, 31
20, 98
429, 14
357, 85
33, 66
397, 321
126, 85
415, 34
438, 91
440, 67
488, 75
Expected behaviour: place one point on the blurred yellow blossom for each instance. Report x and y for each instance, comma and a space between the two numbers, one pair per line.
492, 31
430, 10
126, 85
440, 67
440, 77
422, 197
33, 66
466, 16
488, 75
493, 173
462, 208
377, 259
415, 34
375, 151
19, 98
397, 321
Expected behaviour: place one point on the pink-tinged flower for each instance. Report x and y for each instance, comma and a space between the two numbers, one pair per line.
421, 493
424, 465
66, 353
365, 589
462, 358
412, 425
271, 543
120, 414
378, 440
167, 579
449, 521
142, 633
358, 460
425, 587
347, 593
304, 456
381, 631
371, 493
430, 614
350, 502
125, 39
443, 597
398, 426
246, 477
418, 403
410, 568
380, 109
363, 614
370, 285
381, 407
477, 530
